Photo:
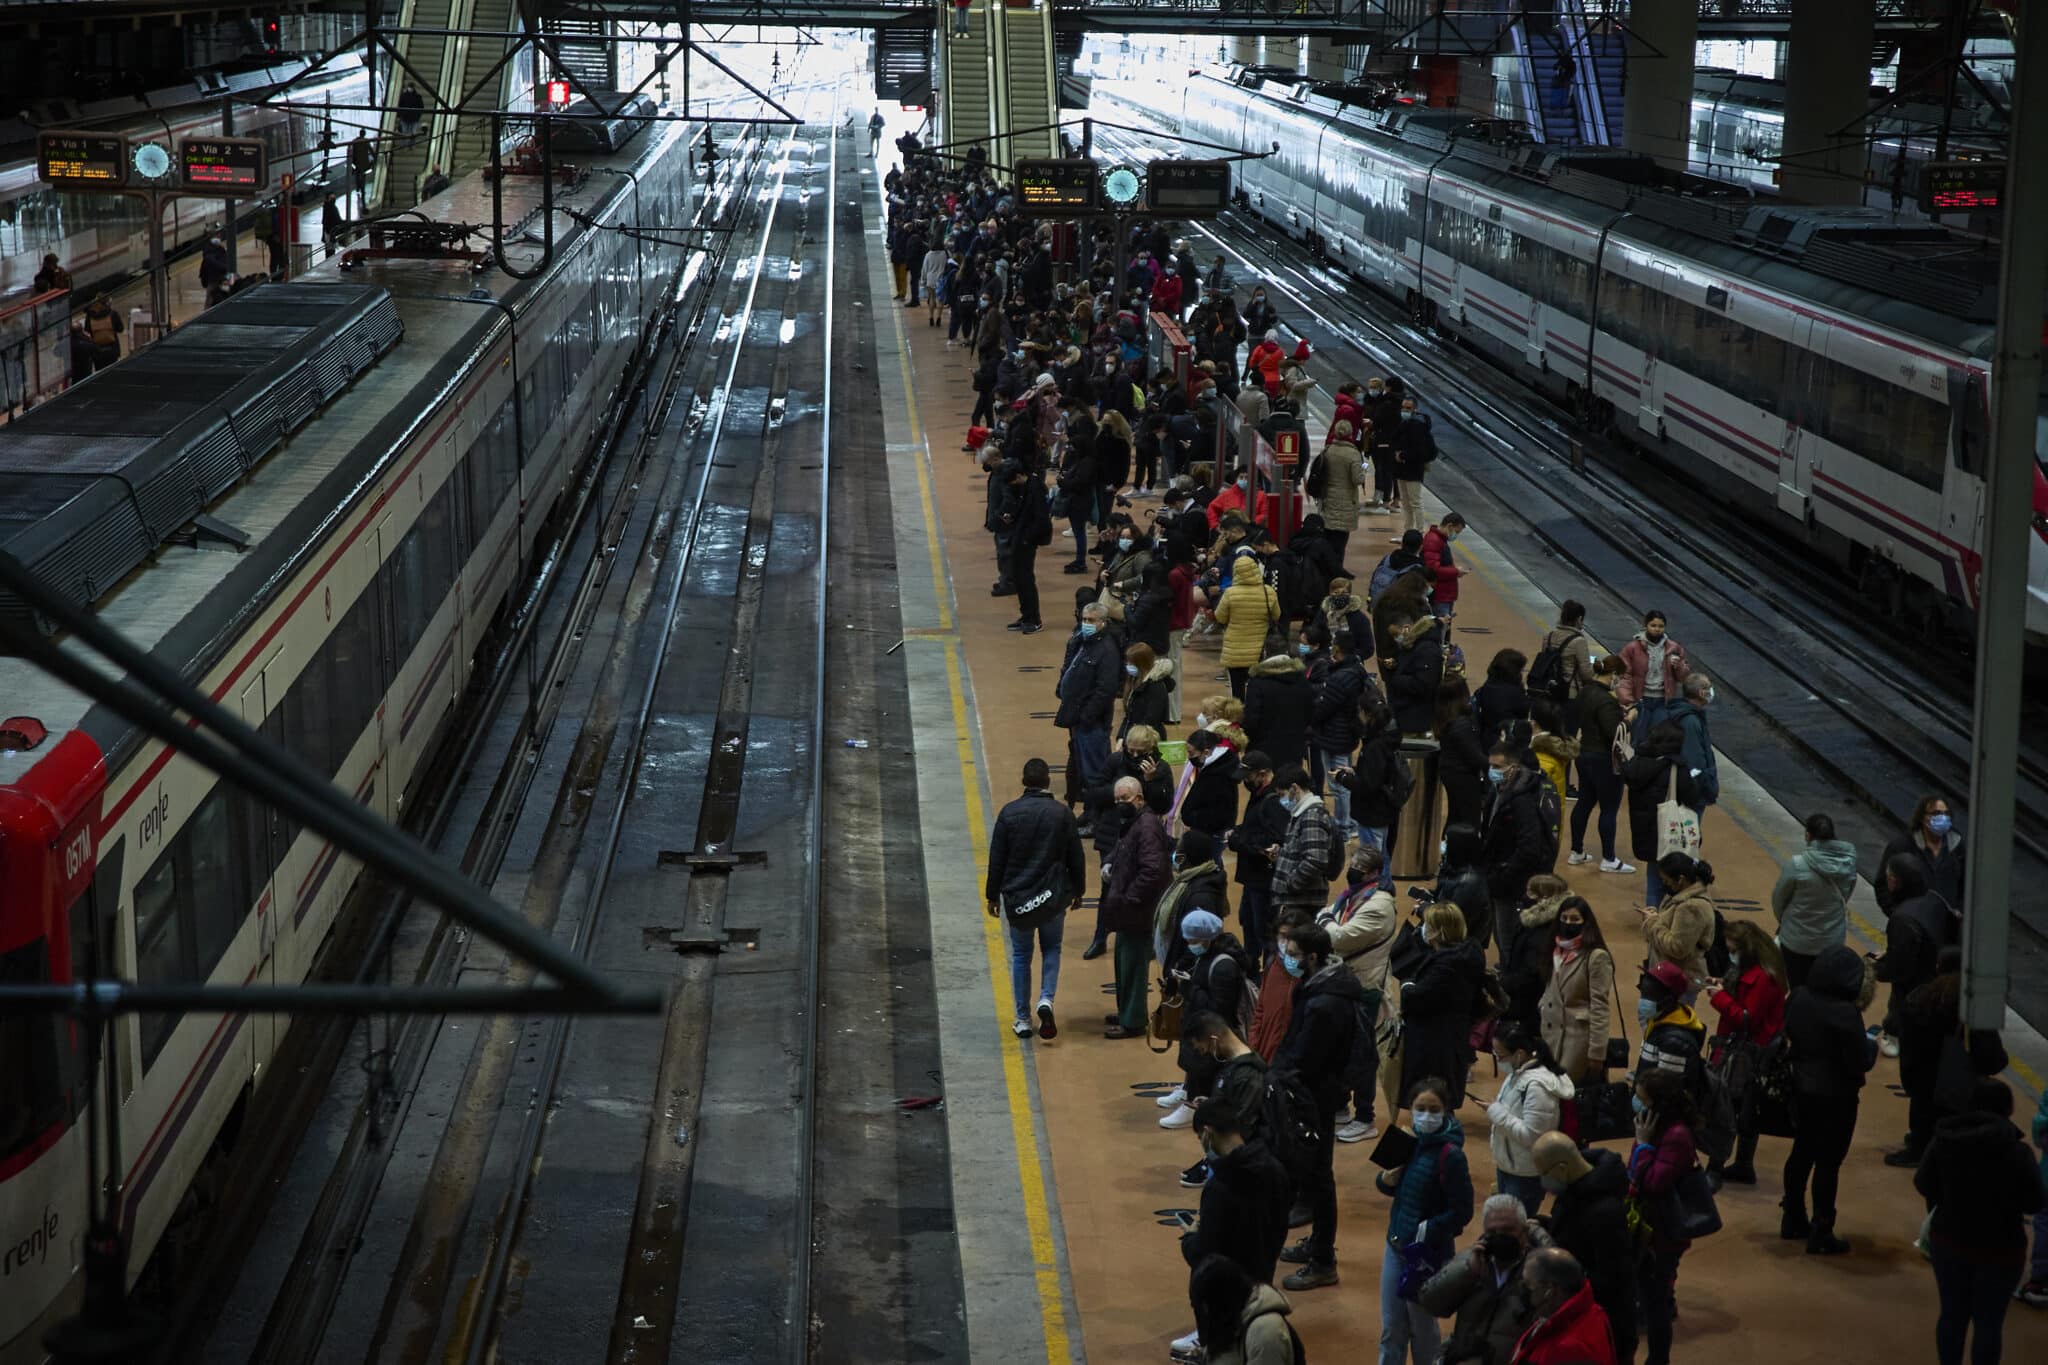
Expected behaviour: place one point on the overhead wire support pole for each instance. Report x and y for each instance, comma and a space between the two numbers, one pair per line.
2008, 510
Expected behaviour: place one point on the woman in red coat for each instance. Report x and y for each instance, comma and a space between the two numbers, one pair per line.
1751, 1004
1664, 1152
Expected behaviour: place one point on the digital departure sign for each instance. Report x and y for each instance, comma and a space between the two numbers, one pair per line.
1188, 189
227, 164
1056, 188
82, 159
1961, 186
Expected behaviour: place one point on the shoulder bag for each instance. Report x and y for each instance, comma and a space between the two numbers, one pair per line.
1678, 825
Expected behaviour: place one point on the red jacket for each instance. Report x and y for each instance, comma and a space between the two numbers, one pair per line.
1166, 294
1754, 1010
1576, 1334
1443, 571
1180, 581
1265, 358
1348, 410
1628, 689
1230, 500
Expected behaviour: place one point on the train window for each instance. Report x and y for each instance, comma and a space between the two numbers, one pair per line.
1717, 297
1892, 427
189, 906
159, 953
34, 1071
1966, 405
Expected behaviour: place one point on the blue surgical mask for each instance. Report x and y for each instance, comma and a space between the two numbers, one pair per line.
1087, 630
1124, 543
1198, 946
1938, 824
1290, 963
1645, 1011
1131, 669
1302, 649
1243, 484
1636, 1106
1496, 774
1429, 1122
1410, 416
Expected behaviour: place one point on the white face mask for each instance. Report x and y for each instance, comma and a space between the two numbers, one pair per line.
1201, 720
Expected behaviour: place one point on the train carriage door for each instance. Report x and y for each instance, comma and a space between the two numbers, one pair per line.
1653, 294
1969, 435
264, 841
1798, 452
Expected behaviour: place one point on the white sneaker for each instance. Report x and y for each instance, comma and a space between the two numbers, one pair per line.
1188, 1347
1183, 1117
1579, 859
1022, 1028
1888, 1045
1173, 1098
1355, 1131
1616, 865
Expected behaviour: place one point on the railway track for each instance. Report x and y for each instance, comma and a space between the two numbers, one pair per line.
1852, 702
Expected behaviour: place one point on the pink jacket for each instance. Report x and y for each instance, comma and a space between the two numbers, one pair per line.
1629, 690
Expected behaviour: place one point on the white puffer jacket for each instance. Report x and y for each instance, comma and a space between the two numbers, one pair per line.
1531, 1099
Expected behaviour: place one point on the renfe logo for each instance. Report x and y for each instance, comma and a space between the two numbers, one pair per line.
34, 1248
154, 818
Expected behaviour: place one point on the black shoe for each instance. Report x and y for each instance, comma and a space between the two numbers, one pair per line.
1112, 1018
1310, 1277
1093, 951
1300, 1217
1823, 1242
1078, 566
1714, 1179
1907, 1157
1296, 1253
1003, 589
1047, 1029
1017, 624
1793, 1226
1741, 1173
1117, 1032
1195, 1176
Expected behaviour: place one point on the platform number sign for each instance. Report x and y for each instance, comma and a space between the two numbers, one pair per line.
1062, 187
1961, 186
82, 160
217, 164
1187, 189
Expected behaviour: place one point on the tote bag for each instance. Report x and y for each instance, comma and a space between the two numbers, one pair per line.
1678, 826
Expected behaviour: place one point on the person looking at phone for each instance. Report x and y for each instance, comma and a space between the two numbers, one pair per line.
1244, 1203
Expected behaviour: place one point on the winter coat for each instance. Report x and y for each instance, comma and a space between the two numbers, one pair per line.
1437, 1008
1370, 769
1648, 779
1232, 499
1140, 869
1654, 1170
1681, 929
1599, 718
1831, 1054
1243, 1213
1696, 751
1982, 1184
1492, 1311
1437, 561
1555, 755
1101, 796
1811, 898
1090, 677
1576, 649
1362, 929
1334, 713
1322, 1029
1753, 1009
1033, 851
1589, 1218
1253, 405
1200, 887
1525, 958
1032, 524
1465, 887
1246, 611
1930, 1016
1418, 672
1147, 701
1277, 704
1516, 842
1112, 455
1530, 1103
1914, 934
1944, 869
1348, 614
1346, 480
1309, 853
1578, 1333
1211, 803
1497, 705
1267, 1339
1414, 447
1210, 983
1461, 770
1576, 1012
1274, 1011
1628, 689
1432, 1191
1262, 826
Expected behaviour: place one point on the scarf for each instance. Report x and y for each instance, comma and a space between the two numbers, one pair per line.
1166, 918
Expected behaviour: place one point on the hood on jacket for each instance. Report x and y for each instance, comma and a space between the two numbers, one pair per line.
1557, 746
1265, 1299
1977, 1136
1832, 857
1539, 1077
1544, 911
1333, 978
1521, 780
1231, 733
1336, 608
1837, 972
1607, 1180
1247, 571
1279, 666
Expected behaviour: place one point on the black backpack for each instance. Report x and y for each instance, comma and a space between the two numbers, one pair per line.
1316, 482
1547, 676
1399, 782
1290, 1126
1290, 582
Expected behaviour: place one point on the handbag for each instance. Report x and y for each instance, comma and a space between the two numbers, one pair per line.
1419, 1262
1388, 1041
1617, 1057
1605, 1112
1697, 1215
1771, 1087
1164, 1024
1678, 826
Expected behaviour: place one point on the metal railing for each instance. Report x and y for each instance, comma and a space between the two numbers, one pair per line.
35, 350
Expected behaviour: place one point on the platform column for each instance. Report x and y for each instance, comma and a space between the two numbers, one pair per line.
1244, 51
1827, 88
1656, 117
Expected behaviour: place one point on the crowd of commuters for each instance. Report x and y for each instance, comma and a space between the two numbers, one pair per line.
1245, 832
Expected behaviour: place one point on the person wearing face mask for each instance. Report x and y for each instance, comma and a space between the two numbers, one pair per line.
1443, 571
1414, 450
1569, 1327
1247, 610
1577, 1007
1931, 838
1209, 972
1811, 898
1432, 1193
1136, 874
1253, 405
1121, 578
1589, 1219
1483, 1286
1323, 1027
1518, 837
1359, 743
1656, 670
1311, 854
1383, 418
1363, 924
1112, 441
1749, 1005
1150, 680
1664, 1152
1696, 748
1682, 927
1197, 887
1648, 777
1243, 497
1277, 702
1439, 1000
1533, 1094
1261, 828
1136, 758
1260, 317
1244, 1197
1091, 676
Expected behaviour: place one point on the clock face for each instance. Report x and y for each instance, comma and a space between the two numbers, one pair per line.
1121, 186
150, 160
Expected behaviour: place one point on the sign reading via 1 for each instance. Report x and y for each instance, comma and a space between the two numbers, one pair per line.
82, 158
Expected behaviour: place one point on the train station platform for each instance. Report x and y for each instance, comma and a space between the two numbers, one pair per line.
1063, 1180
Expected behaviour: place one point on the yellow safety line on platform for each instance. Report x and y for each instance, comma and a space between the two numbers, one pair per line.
1031, 1174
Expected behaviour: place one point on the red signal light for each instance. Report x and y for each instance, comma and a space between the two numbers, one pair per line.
558, 94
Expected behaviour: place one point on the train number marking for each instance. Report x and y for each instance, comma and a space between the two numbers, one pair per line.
78, 854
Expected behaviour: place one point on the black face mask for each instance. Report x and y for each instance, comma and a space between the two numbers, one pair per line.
1570, 931
1355, 876
1502, 1247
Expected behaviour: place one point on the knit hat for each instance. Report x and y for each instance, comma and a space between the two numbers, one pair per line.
1301, 349
1273, 337
1044, 381
1200, 925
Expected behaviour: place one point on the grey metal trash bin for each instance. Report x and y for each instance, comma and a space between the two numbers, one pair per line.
1415, 836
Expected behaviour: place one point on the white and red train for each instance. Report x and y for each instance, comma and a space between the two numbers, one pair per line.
1828, 370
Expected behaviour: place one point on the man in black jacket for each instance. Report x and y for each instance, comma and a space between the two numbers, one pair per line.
1414, 448
1317, 1049
1090, 677
1244, 1203
1262, 826
1026, 519
1516, 842
1589, 1218
1037, 870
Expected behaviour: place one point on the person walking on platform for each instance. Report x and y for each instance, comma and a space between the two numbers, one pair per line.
1981, 1184
1811, 898
332, 225
1414, 449
362, 159
1140, 869
1589, 1219
875, 126
1037, 871
1091, 676
1321, 1032
1657, 667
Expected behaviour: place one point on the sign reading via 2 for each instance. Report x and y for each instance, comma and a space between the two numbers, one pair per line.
1056, 187
223, 163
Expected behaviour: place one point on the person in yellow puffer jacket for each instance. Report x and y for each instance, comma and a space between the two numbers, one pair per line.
1246, 611
1555, 754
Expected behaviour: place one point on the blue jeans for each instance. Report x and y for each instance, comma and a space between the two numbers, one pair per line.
1091, 747
1972, 1296
1049, 961
1340, 796
1653, 888
1406, 1329
1527, 1188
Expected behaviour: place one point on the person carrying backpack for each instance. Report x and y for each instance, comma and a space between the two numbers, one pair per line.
1321, 1032
1564, 666
1312, 853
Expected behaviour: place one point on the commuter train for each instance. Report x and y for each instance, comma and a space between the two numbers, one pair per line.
103, 237
386, 535
1827, 370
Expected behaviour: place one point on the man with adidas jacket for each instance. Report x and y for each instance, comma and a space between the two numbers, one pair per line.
1037, 870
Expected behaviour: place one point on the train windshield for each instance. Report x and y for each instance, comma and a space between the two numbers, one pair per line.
35, 1068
